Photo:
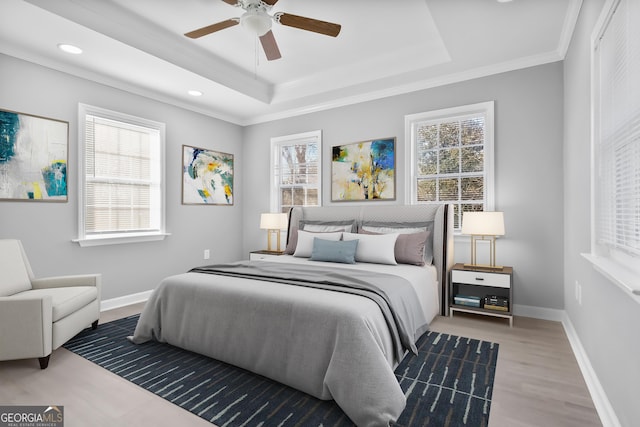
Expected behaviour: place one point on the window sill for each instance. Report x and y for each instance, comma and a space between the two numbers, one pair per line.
624, 278
118, 239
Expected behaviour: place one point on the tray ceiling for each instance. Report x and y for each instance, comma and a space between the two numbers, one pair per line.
384, 48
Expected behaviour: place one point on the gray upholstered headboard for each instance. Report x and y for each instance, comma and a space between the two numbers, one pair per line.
440, 214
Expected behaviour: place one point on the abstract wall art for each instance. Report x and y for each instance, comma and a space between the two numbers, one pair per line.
207, 177
33, 158
364, 171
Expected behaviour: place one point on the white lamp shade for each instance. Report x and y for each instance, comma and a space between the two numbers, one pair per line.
483, 223
273, 221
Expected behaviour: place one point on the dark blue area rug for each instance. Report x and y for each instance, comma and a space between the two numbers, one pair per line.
449, 382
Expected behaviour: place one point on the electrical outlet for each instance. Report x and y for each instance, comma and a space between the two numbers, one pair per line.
578, 293
207, 254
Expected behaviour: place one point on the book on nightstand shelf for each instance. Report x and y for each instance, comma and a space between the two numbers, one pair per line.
470, 301
496, 307
494, 302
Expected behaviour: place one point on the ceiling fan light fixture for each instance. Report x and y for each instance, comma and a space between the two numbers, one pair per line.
258, 23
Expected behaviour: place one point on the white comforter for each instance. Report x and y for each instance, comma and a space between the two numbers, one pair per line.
330, 345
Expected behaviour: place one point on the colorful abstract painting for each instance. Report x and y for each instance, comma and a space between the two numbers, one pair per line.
364, 171
207, 177
33, 158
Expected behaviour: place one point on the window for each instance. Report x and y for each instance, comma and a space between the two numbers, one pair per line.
451, 158
121, 178
616, 145
296, 171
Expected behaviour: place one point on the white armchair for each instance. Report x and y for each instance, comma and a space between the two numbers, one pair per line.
39, 315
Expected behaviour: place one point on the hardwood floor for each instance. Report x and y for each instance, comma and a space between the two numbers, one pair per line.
537, 383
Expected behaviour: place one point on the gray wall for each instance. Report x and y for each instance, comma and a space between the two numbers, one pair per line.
524, 99
46, 229
528, 150
607, 321
528, 134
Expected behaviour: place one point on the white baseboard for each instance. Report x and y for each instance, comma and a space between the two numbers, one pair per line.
110, 304
538, 312
607, 415
600, 400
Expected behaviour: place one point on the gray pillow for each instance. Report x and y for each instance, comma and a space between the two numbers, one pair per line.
343, 251
323, 226
410, 248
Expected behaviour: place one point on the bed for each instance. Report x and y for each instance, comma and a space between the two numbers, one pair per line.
335, 330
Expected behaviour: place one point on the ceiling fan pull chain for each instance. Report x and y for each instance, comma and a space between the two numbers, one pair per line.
256, 61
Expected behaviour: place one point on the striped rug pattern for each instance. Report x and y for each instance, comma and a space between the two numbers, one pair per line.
449, 383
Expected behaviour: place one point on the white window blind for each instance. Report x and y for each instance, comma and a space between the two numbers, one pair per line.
296, 170
451, 158
616, 144
122, 183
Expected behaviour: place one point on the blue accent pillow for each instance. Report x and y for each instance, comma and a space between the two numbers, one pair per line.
334, 251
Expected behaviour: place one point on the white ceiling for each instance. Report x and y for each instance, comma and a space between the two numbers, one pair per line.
385, 47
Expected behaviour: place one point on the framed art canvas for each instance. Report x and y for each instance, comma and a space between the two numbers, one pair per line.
207, 177
364, 171
33, 158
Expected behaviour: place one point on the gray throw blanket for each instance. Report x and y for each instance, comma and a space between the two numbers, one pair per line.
394, 295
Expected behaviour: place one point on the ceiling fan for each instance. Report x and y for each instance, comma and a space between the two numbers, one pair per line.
257, 19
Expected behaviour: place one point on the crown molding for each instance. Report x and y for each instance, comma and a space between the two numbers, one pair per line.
570, 22
389, 91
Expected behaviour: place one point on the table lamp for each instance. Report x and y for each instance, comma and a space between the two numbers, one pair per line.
273, 223
483, 226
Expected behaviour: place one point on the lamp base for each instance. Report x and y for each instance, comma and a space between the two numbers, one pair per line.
269, 247
484, 267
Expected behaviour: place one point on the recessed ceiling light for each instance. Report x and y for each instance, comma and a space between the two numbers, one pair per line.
505, 1
195, 93
69, 48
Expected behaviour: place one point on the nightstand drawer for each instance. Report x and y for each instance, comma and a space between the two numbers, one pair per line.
481, 278
264, 255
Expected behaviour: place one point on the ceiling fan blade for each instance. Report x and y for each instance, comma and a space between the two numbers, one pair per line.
231, 2
212, 28
270, 2
308, 24
270, 46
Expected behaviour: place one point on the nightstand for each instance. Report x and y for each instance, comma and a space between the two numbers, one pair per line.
482, 291
264, 255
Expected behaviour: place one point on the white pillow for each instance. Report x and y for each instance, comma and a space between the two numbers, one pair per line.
375, 248
304, 247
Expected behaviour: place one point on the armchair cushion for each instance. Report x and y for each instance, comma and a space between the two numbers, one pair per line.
64, 301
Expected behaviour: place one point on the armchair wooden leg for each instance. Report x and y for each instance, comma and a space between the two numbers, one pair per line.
94, 325
44, 361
